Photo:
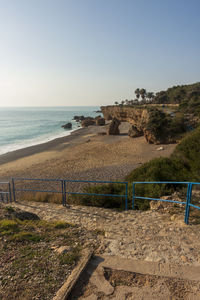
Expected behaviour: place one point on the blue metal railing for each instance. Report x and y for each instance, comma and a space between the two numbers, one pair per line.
64, 191
6, 194
187, 203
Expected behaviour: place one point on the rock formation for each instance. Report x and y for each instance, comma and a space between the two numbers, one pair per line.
79, 118
88, 121
113, 128
156, 126
67, 126
136, 116
100, 121
134, 132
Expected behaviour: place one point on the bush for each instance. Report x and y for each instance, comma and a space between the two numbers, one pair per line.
160, 169
188, 96
8, 227
164, 127
25, 236
101, 201
188, 151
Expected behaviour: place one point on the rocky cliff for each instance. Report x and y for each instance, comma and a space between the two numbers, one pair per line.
157, 126
136, 116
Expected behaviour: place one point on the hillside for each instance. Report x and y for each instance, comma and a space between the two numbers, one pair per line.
187, 96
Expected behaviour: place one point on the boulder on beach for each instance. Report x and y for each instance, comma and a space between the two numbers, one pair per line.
134, 132
113, 128
67, 126
88, 121
100, 121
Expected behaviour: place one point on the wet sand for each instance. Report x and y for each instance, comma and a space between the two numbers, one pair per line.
85, 154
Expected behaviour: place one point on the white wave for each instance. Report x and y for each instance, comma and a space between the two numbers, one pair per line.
33, 142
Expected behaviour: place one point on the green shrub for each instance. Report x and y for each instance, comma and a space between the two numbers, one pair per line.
9, 209
101, 201
188, 151
183, 165
188, 96
157, 123
160, 169
70, 258
62, 225
25, 236
165, 127
8, 227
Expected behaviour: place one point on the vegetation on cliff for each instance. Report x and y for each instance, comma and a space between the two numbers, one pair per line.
187, 96
183, 165
163, 127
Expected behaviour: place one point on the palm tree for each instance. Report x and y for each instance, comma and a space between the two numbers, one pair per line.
137, 92
150, 96
143, 93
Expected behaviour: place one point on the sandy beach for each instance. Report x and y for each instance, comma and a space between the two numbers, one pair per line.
85, 154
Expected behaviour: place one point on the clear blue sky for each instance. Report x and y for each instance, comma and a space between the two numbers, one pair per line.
94, 52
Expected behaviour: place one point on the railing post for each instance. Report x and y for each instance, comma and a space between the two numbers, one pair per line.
64, 187
187, 207
10, 193
13, 187
62, 183
126, 198
133, 198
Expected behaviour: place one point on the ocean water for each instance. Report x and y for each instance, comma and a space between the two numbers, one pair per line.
27, 126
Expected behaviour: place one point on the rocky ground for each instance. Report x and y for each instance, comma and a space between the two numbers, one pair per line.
36, 255
148, 237
143, 235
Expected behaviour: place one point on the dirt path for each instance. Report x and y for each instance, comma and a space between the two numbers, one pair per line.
145, 255
149, 236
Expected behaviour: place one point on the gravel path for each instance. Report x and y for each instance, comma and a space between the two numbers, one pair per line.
150, 236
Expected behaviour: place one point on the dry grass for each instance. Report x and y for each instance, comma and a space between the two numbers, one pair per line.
31, 266
41, 197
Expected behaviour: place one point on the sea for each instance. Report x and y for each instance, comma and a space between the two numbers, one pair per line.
21, 127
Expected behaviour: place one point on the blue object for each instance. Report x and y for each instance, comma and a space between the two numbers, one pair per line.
6, 193
64, 192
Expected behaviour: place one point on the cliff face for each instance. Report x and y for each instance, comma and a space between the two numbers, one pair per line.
137, 117
156, 126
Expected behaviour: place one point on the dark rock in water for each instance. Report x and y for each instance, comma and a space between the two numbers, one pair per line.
100, 121
88, 121
67, 126
113, 128
79, 118
134, 132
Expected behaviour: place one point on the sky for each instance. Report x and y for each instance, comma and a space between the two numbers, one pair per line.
95, 52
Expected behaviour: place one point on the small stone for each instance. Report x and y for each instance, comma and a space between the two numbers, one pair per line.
63, 249
183, 258
160, 149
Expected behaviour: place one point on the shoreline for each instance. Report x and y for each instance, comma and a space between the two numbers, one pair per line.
85, 154
41, 147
